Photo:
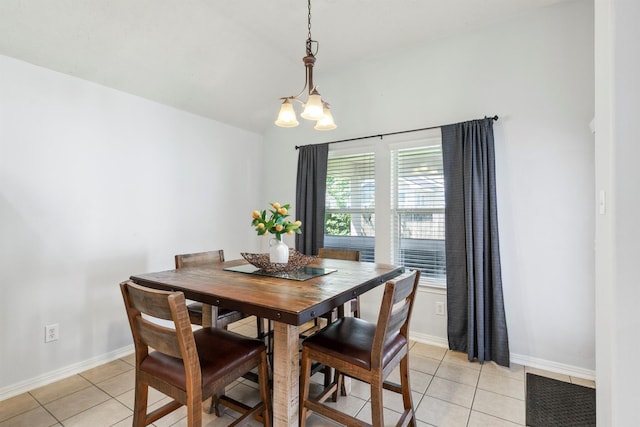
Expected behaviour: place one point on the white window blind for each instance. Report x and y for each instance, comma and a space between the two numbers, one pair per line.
350, 204
417, 197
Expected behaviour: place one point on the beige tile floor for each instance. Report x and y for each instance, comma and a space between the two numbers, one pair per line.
447, 391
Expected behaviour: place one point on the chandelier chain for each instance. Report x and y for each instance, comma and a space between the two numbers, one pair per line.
310, 43
309, 19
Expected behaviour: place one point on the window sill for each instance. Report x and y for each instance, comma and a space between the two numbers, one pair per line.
431, 286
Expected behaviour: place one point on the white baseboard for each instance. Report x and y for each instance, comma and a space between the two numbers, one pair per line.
548, 365
532, 362
429, 339
59, 374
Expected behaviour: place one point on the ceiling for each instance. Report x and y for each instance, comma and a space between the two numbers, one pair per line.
229, 60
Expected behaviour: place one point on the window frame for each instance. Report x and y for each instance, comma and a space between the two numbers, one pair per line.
428, 140
384, 245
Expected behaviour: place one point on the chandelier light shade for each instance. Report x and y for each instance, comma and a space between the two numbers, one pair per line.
287, 116
315, 108
326, 122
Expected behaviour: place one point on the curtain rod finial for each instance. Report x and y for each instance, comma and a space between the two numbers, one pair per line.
495, 118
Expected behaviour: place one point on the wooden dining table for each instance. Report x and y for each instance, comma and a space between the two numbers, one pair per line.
289, 301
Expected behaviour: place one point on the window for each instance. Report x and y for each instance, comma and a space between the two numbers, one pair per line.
417, 194
406, 178
350, 204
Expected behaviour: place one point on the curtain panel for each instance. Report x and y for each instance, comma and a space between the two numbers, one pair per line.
311, 185
475, 308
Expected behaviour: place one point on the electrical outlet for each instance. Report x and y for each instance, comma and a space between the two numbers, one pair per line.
51, 333
440, 308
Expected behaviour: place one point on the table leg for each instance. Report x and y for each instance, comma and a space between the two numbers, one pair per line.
286, 375
209, 315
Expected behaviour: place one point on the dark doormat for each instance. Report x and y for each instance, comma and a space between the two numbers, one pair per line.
552, 403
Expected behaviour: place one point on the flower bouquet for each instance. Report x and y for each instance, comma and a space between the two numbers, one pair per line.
277, 224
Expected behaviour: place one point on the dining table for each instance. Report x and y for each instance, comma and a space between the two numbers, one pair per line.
289, 299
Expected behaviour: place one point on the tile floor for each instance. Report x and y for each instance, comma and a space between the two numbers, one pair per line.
447, 391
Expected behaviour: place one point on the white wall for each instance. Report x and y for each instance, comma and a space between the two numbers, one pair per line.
96, 185
536, 73
617, 233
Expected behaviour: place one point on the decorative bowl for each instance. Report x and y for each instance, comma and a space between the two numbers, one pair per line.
296, 260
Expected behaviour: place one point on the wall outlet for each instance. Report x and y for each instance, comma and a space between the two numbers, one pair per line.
51, 333
440, 308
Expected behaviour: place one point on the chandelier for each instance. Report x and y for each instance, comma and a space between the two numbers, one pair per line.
315, 108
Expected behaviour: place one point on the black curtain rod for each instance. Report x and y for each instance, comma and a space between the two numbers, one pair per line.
381, 135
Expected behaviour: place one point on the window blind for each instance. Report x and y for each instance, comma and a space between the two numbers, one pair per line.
350, 204
417, 197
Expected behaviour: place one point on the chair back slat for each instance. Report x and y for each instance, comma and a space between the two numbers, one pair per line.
395, 312
150, 302
397, 319
345, 254
404, 288
159, 338
199, 259
162, 305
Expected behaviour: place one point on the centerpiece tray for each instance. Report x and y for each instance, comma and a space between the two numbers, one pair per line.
297, 260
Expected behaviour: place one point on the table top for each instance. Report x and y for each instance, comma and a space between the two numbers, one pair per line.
288, 301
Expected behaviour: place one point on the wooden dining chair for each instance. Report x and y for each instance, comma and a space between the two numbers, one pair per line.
225, 316
354, 307
188, 366
349, 255
365, 351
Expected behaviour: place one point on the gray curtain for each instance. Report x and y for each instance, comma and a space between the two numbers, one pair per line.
475, 307
311, 186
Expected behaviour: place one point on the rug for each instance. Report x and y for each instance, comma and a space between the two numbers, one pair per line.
553, 403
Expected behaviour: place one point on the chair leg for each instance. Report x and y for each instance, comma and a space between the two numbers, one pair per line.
194, 411
215, 405
140, 404
327, 371
377, 418
265, 392
338, 380
305, 378
342, 387
406, 389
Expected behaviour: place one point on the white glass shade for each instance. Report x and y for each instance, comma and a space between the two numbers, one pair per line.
313, 107
287, 116
326, 122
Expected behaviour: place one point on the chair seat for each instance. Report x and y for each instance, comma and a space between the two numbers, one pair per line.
350, 339
214, 363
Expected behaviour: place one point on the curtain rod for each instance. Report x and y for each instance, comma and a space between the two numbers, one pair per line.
381, 135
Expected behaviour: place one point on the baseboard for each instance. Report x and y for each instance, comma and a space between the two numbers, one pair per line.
59, 374
548, 365
532, 362
429, 339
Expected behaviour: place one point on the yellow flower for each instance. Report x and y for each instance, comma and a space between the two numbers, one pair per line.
275, 221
